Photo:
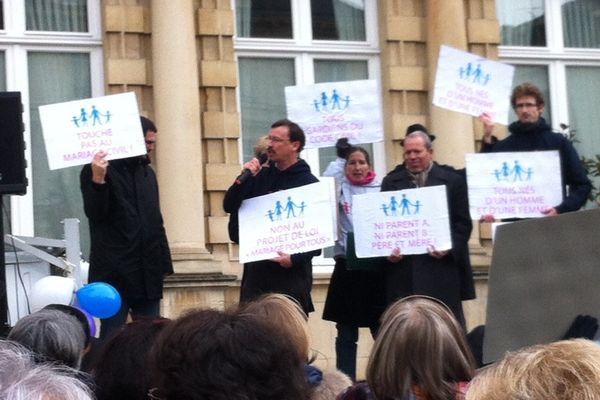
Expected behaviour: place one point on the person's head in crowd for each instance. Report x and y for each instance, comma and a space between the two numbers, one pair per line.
286, 141
286, 314
418, 152
421, 348
564, 370
52, 335
21, 378
417, 128
527, 101
150, 132
120, 370
77, 313
210, 354
358, 166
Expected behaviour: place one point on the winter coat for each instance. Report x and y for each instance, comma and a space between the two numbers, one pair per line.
266, 276
129, 247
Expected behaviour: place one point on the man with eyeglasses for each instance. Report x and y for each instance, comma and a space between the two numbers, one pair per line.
531, 133
129, 247
289, 274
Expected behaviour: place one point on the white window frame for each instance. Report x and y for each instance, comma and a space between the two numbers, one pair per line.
556, 57
16, 42
304, 50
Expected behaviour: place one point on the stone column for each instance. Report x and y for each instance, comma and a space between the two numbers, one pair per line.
446, 24
179, 160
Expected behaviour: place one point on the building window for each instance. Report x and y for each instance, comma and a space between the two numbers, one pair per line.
264, 18
56, 15
53, 54
522, 22
338, 19
565, 65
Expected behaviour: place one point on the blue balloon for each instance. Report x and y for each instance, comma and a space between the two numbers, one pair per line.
99, 299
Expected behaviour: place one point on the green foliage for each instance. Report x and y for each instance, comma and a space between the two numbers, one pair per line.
592, 165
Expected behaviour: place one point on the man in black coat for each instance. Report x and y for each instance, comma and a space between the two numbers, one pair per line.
129, 248
290, 274
445, 275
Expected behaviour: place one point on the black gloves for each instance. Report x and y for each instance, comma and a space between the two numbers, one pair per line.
584, 326
342, 147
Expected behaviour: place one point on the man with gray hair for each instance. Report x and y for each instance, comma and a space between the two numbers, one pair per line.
445, 275
52, 335
22, 379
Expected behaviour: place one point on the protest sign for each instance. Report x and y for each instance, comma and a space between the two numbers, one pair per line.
513, 184
470, 84
291, 221
76, 130
329, 111
414, 220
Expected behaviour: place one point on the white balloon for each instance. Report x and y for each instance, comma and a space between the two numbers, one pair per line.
52, 290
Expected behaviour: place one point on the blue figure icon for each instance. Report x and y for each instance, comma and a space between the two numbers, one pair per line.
316, 104
505, 170
278, 210
107, 115
497, 173
95, 114
83, 117
270, 215
529, 172
486, 79
75, 121
417, 206
324, 99
394, 205
289, 207
302, 207
466, 72
477, 74
347, 102
335, 99
384, 207
517, 171
405, 205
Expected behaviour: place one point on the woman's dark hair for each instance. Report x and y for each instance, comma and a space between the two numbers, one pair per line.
121, 371
354, 149
209, 354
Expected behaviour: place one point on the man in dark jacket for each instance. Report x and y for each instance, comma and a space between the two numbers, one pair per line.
532, 133
289, 274
129, 247
445, 275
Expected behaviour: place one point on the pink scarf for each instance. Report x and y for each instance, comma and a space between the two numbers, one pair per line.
364, 181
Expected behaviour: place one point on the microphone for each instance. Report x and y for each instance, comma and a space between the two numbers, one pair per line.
246, 173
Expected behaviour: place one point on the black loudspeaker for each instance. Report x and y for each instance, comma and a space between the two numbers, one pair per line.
12, 145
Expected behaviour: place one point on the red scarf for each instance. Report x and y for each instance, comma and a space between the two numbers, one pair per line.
364, 181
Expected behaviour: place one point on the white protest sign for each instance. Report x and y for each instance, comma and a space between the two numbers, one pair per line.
470, 84
513, 184
329, 111
292, 221
76, 130
413, 220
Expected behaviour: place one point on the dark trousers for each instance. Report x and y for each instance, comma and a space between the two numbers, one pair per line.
138, 307
345, 348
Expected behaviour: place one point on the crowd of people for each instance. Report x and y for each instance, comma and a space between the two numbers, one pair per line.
261, 348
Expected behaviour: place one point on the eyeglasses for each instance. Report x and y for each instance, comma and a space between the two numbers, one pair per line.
150, 141
277, 139
525, 105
